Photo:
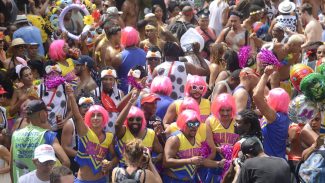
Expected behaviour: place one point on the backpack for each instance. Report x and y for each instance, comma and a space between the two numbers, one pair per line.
313, 169
122, 176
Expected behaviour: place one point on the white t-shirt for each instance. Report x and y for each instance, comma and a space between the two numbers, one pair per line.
31, 178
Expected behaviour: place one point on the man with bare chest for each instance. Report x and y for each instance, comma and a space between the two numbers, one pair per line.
316, 6
108, 49
130, 14
288, 54
235, 36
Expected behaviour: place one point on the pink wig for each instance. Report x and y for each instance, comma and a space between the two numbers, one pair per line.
129, 37
136, 112
189, 103
278, 99
184, 117
92, 110
223, 100
197, 81
161, 85
56, 50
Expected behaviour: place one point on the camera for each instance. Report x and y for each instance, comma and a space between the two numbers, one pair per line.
239, 161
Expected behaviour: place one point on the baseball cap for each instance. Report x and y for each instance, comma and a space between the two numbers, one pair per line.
149, 98
35, 106
85, 60
113, 11
44, 153
251, 146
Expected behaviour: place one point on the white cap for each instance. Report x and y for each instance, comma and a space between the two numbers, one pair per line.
44, 153
152, 54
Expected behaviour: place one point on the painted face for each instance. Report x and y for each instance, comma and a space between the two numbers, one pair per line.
83, 108
96, 120
135, 124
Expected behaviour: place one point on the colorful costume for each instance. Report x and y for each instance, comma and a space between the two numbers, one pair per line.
204, 108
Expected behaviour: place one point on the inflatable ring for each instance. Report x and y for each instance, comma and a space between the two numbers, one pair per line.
65, 11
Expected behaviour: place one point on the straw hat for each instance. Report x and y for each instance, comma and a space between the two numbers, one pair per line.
16, 42
286, 7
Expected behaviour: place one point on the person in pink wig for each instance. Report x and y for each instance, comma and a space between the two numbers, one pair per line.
275, 121
59, 52
131, 56
130, 124
196, 88
94, 144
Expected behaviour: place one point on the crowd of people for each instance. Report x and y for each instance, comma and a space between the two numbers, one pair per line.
172, 91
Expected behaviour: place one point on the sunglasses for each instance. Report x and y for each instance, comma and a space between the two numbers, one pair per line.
86, 105
138, 119
193, 124
153, 59
48, 163
20, 46
201, 88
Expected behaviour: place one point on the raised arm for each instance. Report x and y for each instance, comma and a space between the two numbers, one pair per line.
119, 127
259, 98
81, 127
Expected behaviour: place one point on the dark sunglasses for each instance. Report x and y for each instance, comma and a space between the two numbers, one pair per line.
48, 163
153, 59
85, 105
19, 46
201, 88
193, 124
135, 119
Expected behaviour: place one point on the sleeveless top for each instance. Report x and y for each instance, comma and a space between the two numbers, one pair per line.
24, 142
201, 132
176, 71
205, 110
222, 135
289, 21
249, 100
73, 144
122, 175
91, 152
147, 142
186, 150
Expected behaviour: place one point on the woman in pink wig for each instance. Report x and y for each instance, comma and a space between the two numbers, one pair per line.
58, 52
94, 144
130, 124
275, 122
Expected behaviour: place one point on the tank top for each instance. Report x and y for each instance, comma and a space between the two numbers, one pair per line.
176, 71
186, 150
91, 152
147, 142
204, 106
249, 100
289, 21
222, 135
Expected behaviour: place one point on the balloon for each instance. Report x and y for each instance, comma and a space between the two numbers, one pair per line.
313, 87
301, 109
321, 69
297, 73
64, 12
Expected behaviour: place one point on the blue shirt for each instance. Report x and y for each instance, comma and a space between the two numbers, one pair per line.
130, 57
30, 34
275, 135
162, 105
